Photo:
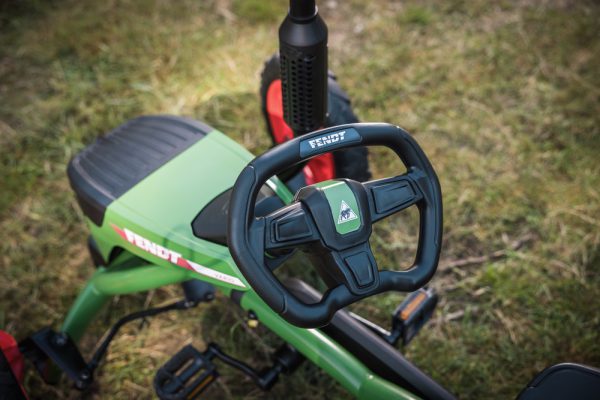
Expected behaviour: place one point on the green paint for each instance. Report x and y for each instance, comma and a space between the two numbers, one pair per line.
280, 190
127, 274
341, 198
162, 206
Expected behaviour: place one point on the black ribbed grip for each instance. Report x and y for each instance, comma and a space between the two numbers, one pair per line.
303, 56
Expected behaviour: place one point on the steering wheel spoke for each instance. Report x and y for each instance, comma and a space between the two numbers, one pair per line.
391, 195
357, 268
289, 227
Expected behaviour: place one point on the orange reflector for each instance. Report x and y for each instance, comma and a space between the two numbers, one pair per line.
201, 386
414, 303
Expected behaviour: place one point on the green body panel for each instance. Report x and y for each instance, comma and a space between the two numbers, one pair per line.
162, 206
340, 197
159, 210
127, 274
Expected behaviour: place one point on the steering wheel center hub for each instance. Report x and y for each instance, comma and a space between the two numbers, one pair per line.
345, 212
340, 211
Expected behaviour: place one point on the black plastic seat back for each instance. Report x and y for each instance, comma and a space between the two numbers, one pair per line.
564, 381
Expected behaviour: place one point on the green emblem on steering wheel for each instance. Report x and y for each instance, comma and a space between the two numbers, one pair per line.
343, 205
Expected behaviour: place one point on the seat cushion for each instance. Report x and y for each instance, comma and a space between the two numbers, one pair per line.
115, 163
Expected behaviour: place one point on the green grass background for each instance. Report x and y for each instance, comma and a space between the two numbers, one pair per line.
503, 96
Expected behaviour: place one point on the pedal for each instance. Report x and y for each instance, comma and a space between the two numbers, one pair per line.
187, 374
413, 313
408, 318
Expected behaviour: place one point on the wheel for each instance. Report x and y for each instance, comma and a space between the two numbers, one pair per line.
351, 163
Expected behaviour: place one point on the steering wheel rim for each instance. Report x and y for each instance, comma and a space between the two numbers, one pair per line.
245, 231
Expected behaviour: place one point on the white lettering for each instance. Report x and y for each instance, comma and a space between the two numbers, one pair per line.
174, 257
130, 236
162, 252
151, 247
327, 140
139, 241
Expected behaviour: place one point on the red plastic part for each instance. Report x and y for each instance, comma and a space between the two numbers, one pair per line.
318, 169
281, 131
10, 348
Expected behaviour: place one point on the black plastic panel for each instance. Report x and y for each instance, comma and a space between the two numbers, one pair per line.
211, 222
113, 164
564, 381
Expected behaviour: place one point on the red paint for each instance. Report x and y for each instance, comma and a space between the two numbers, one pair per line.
10, 348
281, 131
184, 264
120, 232
318, 169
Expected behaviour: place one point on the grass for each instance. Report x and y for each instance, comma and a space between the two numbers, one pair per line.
503, 97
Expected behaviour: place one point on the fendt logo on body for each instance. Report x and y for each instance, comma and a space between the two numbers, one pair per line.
151, 247
327, 139
156, 249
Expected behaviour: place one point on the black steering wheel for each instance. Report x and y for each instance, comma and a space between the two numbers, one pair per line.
336, 218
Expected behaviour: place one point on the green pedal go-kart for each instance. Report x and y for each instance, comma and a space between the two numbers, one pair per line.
171, 200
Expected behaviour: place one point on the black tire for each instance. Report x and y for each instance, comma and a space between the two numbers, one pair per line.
351, 163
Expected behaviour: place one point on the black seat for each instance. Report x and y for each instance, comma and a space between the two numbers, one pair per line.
113, 164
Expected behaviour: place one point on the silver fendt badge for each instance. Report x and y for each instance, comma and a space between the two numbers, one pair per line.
327, 139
